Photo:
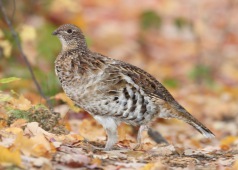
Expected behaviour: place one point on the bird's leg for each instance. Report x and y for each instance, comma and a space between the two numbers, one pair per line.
139, 135
111, 140
111, 137
110, 125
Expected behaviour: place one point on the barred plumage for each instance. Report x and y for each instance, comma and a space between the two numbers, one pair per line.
113, 91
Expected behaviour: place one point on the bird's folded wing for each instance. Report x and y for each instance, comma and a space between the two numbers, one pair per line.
143, 80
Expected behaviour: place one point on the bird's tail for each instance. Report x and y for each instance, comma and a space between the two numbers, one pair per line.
202, 129
178, 112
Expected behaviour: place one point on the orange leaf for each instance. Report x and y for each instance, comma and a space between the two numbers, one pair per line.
228, 140
19, 123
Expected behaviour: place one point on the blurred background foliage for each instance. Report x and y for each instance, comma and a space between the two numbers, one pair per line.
190, 46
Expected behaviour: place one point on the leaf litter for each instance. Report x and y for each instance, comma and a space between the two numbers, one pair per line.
33, 137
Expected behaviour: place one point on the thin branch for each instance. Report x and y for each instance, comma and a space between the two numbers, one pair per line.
16, 38
14, 9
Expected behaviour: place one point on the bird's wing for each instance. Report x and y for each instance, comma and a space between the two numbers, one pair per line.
143, 80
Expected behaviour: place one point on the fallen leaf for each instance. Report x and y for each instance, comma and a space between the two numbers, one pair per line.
7, 47
19, 123
21, 103
24, 144
33, 129
227, 142
42, 146
154, 166
96, 161
14, 130
9, 80
63, 97
7, 156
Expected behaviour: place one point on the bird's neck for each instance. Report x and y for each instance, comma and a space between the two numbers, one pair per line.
79, 45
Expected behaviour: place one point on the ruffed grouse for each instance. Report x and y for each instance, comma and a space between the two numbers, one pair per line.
113, 91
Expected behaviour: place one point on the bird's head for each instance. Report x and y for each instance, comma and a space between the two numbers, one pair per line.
71, 37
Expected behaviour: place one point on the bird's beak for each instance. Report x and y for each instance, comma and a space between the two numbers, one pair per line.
55, 32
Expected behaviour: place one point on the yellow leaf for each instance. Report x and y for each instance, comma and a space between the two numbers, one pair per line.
147, 166
42, 146
63, 97
4, 97
9, 79
154, 166
27, 33
21, 103
76, 137
14, 130
24, 144
7, 156
39, 150
6, 46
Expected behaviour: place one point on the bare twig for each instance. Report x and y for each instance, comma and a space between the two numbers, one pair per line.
14, 9
16, 38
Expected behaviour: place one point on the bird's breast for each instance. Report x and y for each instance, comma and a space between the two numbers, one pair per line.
78, 87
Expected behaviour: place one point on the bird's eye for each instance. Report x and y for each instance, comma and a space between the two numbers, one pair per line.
69, 31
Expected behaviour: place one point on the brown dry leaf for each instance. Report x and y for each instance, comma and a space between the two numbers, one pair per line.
7, 156
70, 138
195, 143
180, 150
136, 154
126, 143
3, 124
96, 161
75, 137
